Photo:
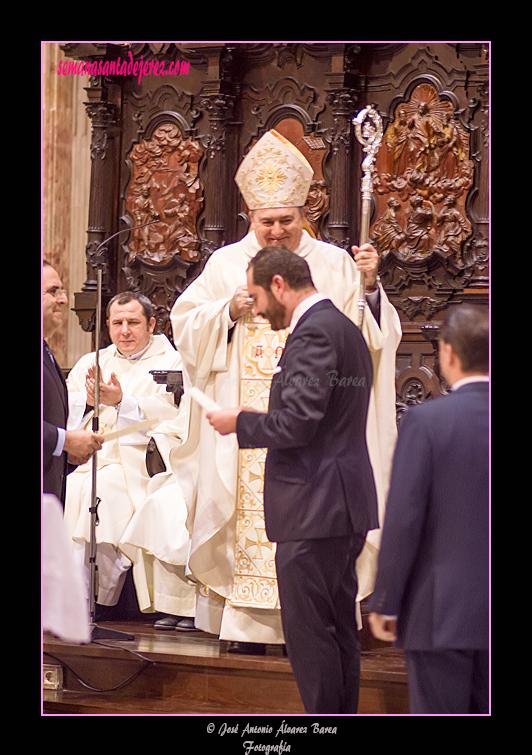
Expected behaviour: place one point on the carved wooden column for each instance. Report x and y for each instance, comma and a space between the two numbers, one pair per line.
218, 98
477, 247
219, 108
342, 103
102, 114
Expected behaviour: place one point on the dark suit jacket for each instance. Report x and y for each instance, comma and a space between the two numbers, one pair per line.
433, 567
54, 414
318, 478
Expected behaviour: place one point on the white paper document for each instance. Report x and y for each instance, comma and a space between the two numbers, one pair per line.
203, 400
131, 429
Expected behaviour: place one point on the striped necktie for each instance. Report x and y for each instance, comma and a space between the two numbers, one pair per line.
47, 349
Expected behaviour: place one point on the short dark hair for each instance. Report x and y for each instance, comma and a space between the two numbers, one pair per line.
466, 329
126, 296
277, 260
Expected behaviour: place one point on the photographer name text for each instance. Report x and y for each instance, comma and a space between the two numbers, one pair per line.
250, 745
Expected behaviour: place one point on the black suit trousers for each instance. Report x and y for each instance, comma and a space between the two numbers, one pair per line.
317, 589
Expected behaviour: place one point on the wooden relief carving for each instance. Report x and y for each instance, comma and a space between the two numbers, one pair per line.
165, 185
317, 206
418, 378
423, 175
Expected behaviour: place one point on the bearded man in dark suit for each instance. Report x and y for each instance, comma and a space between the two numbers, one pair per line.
58, 444
319, 491
432, 588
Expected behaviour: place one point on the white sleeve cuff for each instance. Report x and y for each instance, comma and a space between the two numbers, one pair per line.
61, 436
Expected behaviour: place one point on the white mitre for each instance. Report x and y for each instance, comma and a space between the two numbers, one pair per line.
274, 173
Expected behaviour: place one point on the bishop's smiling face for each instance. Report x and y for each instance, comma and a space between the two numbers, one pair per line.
278, 226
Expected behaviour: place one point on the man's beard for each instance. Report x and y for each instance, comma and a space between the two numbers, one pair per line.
276, 313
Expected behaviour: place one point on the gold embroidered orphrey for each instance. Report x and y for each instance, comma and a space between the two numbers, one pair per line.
255, 579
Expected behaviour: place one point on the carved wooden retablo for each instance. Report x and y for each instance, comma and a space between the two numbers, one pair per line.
165, 185
423, 175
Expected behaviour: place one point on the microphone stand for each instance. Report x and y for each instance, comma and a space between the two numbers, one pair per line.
99, 633
368, 129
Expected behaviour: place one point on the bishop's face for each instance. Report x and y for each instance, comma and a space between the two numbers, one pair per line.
278, 226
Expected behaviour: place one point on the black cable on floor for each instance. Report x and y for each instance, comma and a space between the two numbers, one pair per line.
146, 665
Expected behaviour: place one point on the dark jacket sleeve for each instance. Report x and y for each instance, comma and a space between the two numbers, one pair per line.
49, 433
299, 397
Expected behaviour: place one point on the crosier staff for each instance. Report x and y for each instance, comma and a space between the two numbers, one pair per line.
368, 130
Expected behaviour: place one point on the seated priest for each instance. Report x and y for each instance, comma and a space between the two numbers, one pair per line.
128, 395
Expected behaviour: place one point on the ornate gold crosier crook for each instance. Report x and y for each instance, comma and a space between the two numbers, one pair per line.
368, 130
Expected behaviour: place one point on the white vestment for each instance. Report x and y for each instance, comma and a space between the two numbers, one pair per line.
122, 478
157, 541
207, 464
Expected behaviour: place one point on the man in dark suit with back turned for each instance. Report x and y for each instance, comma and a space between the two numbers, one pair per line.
432, 588
319, 492
59, 445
